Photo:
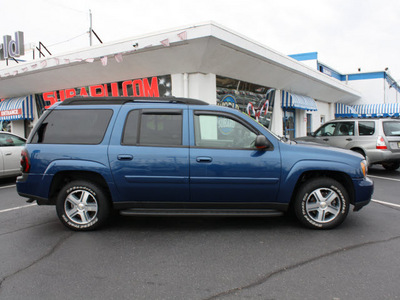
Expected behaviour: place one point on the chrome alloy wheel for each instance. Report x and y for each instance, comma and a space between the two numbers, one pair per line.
323, 205
81, 207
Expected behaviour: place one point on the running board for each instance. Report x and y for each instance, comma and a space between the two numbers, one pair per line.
202, 212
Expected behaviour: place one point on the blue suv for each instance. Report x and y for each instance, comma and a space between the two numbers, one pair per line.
177, 156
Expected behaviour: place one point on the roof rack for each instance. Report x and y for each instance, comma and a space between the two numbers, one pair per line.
80, 100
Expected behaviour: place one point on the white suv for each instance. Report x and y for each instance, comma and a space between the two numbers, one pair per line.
378, 140
10, 154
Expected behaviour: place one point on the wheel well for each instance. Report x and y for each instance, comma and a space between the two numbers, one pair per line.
62, 178
358, 150
340, 177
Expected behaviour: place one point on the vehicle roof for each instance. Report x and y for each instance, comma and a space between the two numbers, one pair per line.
364, 119
123, 100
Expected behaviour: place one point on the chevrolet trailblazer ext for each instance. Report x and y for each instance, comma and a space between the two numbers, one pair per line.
88, 156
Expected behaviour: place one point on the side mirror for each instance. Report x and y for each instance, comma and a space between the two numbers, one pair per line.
262, 143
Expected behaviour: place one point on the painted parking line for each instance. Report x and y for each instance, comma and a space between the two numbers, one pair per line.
16, 208
387, 178
7, 186
385, 203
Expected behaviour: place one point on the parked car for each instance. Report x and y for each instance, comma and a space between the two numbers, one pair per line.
378, 140
10, 154
172, 156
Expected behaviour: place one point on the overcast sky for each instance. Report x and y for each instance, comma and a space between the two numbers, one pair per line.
347, 34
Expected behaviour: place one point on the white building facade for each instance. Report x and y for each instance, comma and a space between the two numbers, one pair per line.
289, 95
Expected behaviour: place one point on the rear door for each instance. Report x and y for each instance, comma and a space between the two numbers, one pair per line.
344, 135
149, 154
225, 166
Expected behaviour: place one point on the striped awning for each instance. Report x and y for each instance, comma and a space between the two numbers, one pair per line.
345, 111
290, 100
17, 108
368, 110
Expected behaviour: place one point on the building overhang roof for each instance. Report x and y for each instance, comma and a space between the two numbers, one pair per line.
204, 48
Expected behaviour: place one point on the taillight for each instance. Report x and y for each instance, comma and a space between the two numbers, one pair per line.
25, 164
380, 143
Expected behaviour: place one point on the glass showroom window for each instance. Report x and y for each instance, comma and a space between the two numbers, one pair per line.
255, 100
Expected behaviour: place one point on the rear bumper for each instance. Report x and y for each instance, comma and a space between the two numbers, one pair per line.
364, 189
378, 156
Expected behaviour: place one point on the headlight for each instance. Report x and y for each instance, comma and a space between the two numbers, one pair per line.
364, 167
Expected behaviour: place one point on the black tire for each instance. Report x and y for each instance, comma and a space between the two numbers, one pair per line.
391, 166
82, 206
321, 203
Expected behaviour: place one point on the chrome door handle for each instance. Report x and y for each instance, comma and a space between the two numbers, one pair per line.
203, 159
125, 157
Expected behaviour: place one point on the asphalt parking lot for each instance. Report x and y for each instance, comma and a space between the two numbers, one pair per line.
202, 258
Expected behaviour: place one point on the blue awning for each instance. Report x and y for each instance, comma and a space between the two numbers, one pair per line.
368, 110
17, 108
290, 100
345, 111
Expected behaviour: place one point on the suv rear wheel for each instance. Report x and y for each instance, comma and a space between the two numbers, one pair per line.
391, 166
321, 203
82, 205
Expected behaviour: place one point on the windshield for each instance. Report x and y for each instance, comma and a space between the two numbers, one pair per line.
391, 128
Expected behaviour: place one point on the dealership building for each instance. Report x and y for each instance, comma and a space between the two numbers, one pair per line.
291, 95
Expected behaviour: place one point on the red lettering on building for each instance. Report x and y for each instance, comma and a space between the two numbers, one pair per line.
125, 87
70, 93
137, 88
96, 91
114, 89
50, 98
62, 95
83, 92
151, 91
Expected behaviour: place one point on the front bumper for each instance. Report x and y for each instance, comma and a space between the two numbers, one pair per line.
363, 190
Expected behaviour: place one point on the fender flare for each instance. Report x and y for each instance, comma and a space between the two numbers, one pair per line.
290, 181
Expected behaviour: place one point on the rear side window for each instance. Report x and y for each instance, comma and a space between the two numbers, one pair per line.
153, 128
73, 126
366, 127
391, 128
345, 128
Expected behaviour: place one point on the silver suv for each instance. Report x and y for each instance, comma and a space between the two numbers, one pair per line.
378, 140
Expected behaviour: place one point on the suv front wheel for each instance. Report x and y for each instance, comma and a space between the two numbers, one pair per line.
321, 203
82, 205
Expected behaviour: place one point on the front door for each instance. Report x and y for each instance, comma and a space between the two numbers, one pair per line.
225, 166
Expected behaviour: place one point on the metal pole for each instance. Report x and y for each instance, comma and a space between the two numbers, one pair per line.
90, 27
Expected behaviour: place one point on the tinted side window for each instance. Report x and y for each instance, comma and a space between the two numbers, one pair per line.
131, 128
391, 128
366, 127
345, 128
150, 127
74, 126
214, 131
